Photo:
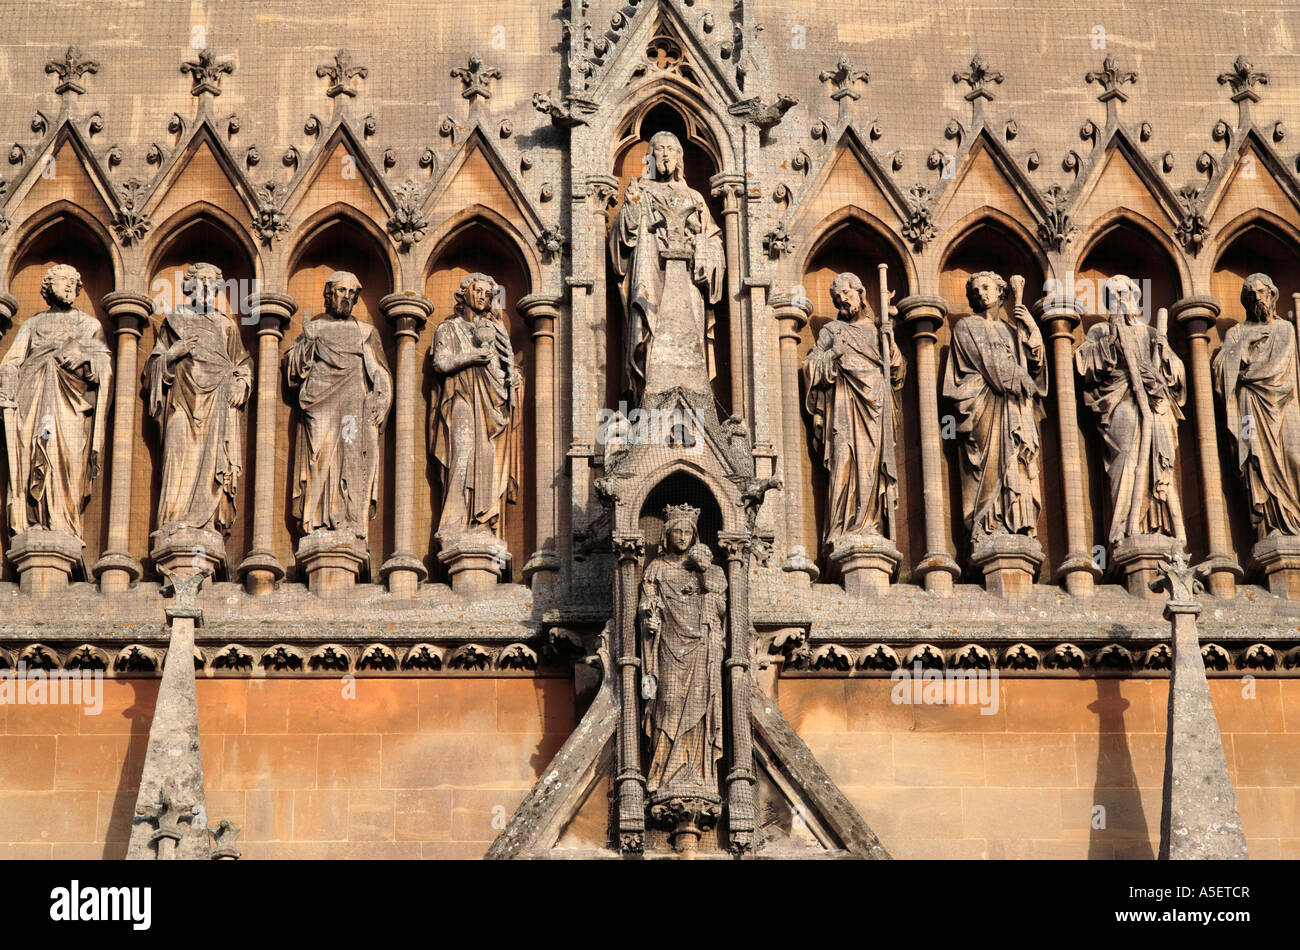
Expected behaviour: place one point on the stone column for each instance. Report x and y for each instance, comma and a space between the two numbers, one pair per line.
925, 315
540, 312
629, 781
404, 570
731, 186
117, 570
260, 569
792, 314
1221, 567
1199, 818
1059, 317
741, 815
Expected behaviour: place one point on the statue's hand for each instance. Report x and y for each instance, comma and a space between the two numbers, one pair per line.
93, 464
633, 192
480, 356
650, 623
181, 348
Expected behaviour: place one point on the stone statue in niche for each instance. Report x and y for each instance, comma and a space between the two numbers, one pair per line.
1255, 374
997, 377
667, 248
345, 391
198, 380
683, 615
1135, 383
55, 389
852, 398
474, 431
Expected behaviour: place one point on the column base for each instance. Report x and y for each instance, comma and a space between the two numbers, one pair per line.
1137, 557
1221, 573
332, 561
542, 570
475, 561
261, 572
403, 572
804, 572
867, 563
45, 559
1278, 557
1080, 574
185, 550
117, 571
938, 571
1010, 563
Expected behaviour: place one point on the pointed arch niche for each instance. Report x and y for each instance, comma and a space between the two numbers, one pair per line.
479, 244
65, 234
678, 488
850, 243
996, 243
701, 160
194, 235
1125, 246
334, 239
1260, 246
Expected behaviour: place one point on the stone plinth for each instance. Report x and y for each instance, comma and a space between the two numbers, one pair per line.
332, 560
44, 559
187, 550
1137, 557
1009, 562
867, 562
1279, 558
474, 561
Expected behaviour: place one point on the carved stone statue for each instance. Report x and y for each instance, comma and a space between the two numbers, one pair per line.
345, 390
996, 377
668, 250
55, 388
198, 378
847, 391
1135, 383
1255, 375
683, 614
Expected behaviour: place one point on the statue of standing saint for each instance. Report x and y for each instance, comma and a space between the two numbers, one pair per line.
683, 613
198, 379
55, 388
345, 390
668, 250
847, 390
1135, 383
1255, 376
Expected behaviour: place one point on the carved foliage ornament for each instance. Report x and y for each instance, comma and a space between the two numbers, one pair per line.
269, 223
1056, 230
206, 71
919, 229
475, 78
131, 223
70, 70
408, 225
843, 77
341, 73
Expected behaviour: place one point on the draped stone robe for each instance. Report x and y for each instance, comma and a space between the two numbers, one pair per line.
1102, 361
1000, 446
341, 372
683, 721
475, 428
60, 370
1255, 375
846, 398
660, 245
198, 401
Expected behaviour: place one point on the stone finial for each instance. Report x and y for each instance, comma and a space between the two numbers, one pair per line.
1111, 79
1243, 77
475, 77
341, 73
1176, 575
978, 76
70, 70
206, 71
844, 77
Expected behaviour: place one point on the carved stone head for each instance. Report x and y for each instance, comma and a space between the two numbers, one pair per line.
60, 286
1259, 297
200, 286
1123, 298
666, 156
475, 295
849, 296
680, 528
341, 293
985, 290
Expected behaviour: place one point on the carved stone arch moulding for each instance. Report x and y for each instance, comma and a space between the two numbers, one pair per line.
814, 238
49, 217
445, 236
165, 236
633, 493
1262, 219
1125, 218
702, 124
1012, 229
301, 238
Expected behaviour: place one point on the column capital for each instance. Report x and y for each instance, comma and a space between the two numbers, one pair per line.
8, 310
731, 187
629, 547
600, 191
794, 309
1058, 313
923, 313
536, 308
270, 310
128, 310
1196, 312
407, 312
